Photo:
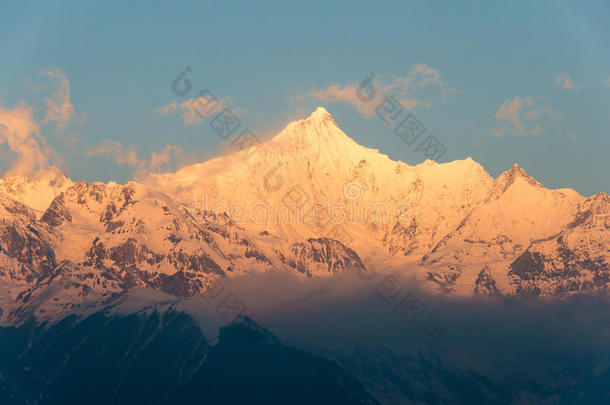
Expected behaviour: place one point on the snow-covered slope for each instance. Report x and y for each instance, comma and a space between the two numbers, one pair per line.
309, 201
517, 211
359, 196
38, 190
575, 259
445, 222
96, 240
25, 256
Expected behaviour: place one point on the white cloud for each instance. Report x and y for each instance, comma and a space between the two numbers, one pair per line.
346, 94
566, 82
537, 129
500, 131
167, 109
124, 155
20, 132
197, 109
365, 97
116, 150
525, 116
159, 161
510, 111
59, 108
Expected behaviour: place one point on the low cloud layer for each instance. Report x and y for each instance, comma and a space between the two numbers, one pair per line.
481, 333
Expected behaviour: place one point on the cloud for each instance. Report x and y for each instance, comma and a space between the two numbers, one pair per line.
167, 109
537, 129
499, 131
160, 160
525, 116
28, 150
21, 133
197, 109
510, 111
71, 139
309, 309
494, 341
59, 108
606, 81
346, 94
116, 150
124, 155
566, 82
366, 96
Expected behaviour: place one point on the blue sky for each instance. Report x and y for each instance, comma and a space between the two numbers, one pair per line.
503, 82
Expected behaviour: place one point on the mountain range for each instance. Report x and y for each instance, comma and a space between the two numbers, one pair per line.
310, 201
121, 293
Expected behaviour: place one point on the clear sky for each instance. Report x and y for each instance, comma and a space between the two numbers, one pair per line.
502, 82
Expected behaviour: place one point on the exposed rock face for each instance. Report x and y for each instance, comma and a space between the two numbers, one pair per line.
403, 238
322, 256
486, 285
576, 259
96, 240
37, 190
445, 278
24, 253
444, 222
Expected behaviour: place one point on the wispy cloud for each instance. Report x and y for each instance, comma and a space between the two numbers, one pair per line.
500, 131
116, 150
566, 82
126, 155
21, 133
197, 109
160, 161
510, 111
407, 90
167, 108
523, 116
59, 107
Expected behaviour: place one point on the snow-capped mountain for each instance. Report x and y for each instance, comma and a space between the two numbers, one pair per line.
96, 240
446, 223
576, 258
37, 190
517, 211
309, 201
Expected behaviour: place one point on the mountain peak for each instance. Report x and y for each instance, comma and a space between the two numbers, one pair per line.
517, 169
38, 189
320, 112
509, 177
321, 117
515, 172
599, 203
318, 129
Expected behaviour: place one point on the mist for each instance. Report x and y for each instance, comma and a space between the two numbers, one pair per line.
347, 312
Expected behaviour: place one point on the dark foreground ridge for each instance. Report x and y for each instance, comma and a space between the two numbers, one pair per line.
163, 358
